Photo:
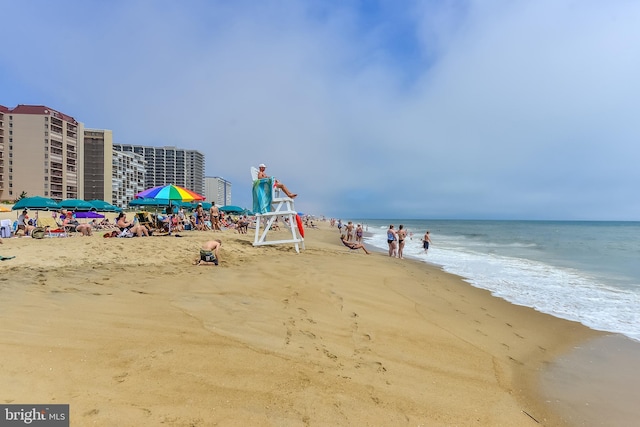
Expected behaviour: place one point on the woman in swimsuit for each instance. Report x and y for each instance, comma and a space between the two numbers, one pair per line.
122, 223
391, 240
354, 245
402, 235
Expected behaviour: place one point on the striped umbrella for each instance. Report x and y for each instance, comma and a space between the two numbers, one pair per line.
170, 192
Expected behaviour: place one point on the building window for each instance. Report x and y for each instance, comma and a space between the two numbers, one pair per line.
46, 193
46, 141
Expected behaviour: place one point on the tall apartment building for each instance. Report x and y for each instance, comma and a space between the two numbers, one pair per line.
128, 177
39, 150
96, 166
169, 165
3, 180
217, 190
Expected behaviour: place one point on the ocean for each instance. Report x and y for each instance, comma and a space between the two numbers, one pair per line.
587, 272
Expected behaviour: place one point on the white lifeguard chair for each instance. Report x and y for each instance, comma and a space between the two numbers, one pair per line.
273, 206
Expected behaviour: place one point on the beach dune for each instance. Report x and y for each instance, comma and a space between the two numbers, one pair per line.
129, 332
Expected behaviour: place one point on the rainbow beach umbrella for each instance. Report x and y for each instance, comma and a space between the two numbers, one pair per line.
169, 192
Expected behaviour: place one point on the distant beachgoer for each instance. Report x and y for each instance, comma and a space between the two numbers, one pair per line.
426, 240
214, 214
402, 235
210, 253
70, 223
391, 240
23, 223
353, 245
349, 230
359, 233
340, 226
262, 174
123, 224
200, 217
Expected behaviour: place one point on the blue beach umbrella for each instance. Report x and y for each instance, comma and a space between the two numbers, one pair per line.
102, 206
232, 209
77, 205
36, 203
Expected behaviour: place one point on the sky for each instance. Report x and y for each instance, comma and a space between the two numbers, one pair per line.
449, 109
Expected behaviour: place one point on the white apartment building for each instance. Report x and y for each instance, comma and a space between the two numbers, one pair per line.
217, 190
128, 177
169, 165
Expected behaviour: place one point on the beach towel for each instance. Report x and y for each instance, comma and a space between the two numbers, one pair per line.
4, 258
262, 195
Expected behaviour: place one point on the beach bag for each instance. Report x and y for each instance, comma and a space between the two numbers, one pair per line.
38, 233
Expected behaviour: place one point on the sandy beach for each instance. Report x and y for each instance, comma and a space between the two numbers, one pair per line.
129, 332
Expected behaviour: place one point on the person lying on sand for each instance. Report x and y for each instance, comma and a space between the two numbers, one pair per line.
210, 253
353, 245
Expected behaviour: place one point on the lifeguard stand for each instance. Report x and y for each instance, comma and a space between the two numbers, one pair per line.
267, 206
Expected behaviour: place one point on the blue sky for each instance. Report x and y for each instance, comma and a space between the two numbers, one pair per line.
367, 109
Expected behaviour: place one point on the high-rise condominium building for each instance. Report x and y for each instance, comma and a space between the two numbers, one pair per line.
217, 190
96, 166
170, 165
128, 177
39, 153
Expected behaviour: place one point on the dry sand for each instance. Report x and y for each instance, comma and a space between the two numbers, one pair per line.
130, 333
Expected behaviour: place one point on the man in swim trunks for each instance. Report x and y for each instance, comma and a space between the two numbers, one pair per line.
262, 174
209, 253
426, 241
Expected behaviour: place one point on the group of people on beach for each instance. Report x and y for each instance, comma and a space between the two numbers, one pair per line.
396, 241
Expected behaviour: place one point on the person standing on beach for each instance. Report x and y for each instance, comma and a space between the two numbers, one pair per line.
262, 174
359, 233
402, 235
426, 241
391, 240
214, 213
349, 230
200, 217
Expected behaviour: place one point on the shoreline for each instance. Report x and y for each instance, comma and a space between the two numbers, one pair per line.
379, 338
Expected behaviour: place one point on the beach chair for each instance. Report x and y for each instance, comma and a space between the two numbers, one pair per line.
144, 219
5, 228
52, 228
267, 206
